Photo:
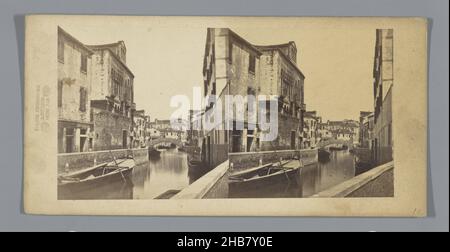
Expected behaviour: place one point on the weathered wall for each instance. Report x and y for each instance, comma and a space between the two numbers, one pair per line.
382, 186
209, 185
102, 63
381, 131
82, 160
364, 154
219, 190
377, 182
70, 80
384, 80
272, 66
242, 160
108, 129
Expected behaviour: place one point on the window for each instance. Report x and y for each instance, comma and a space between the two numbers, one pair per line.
83, 94
268, 103
251, 63
83, 67
61, 50
230, 52
60, 93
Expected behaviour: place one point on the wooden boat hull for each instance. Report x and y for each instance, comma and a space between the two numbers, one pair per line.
168, 194
196, 166
82, 182
152, 152
257, 186
323, 155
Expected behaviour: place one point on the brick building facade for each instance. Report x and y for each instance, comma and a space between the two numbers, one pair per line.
95, 96
383, 76
233, 66
74, 85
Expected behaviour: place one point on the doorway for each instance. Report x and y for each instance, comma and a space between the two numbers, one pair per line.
124, 139
293, 140
208, 143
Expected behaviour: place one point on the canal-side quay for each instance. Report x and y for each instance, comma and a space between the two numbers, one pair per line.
376, 182
168, 176
70, 162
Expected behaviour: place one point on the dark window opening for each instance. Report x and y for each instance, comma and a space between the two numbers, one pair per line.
251, 91
83, 141
293, 140
389, 140
251, 64
83, 94
60, 93
230, 52
61, 50
69, 139
83, 67
249, 143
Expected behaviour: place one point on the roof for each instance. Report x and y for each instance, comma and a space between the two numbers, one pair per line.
74, 40
160, 121
342, 131
278, 48
243, 41
259, 49
312, 114
120, 42
107, 47
171, 130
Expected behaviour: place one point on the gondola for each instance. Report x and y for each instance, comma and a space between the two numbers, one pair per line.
338, 147
323, 155
96, 176
268, 175
168, 194
196, 165
152, 152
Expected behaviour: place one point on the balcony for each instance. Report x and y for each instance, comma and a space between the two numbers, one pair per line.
303, 107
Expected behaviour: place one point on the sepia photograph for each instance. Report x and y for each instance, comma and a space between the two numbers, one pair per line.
268, 118
224, 124
183, 108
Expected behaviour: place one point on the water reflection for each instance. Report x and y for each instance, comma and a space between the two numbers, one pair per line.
311, 179
116, 190
167, 172
316, 178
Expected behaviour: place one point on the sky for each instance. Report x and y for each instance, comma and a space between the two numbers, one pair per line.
166, 57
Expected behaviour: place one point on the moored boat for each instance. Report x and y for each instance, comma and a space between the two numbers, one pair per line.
96, 176
323, 155
168, 194
152, 152
273, 175
338, 147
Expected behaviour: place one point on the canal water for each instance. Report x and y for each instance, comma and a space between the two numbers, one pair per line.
316, 178
311, 179
168, 174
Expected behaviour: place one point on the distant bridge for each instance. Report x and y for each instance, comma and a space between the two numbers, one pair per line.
159, 141
325, 143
